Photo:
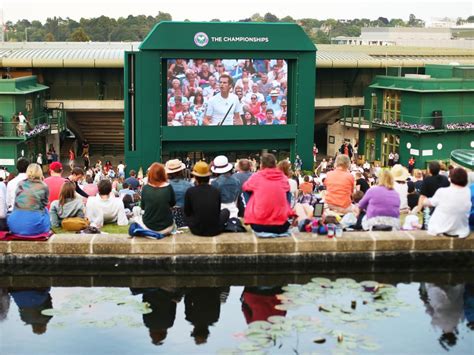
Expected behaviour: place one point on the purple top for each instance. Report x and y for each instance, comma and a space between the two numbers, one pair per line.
379, 201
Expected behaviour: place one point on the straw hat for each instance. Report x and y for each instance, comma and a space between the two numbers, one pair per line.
201, 169
399, 173
221, 165
174, 165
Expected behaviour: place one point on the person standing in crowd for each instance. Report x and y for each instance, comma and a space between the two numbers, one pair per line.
381, 203
340, 186
72, 158
396, 158
66, 206
224, 108
121, 169
105, 208
85, 148
157, 200
55, 181
202, 205
30, 215
411, 164
268, 208
175, 170
346, 149
391, 157
315, 154
228, 186
3, 206
298, 164
453, 205
21, 166
471, 187
39, 160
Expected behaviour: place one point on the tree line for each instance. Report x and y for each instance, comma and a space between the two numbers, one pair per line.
135, 28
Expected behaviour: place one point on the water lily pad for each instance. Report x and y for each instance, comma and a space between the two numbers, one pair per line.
276, 319
321, 281
369, 284
260, 324
228, 351
52, 312
369, 346
249, 346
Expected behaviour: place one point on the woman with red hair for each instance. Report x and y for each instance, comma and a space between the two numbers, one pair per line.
157, 200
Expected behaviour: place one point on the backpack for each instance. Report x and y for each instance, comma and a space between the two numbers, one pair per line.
234, 225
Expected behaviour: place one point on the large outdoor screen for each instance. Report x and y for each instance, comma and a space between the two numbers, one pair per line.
226, 92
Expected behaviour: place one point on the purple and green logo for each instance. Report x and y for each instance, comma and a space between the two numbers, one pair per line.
201, 39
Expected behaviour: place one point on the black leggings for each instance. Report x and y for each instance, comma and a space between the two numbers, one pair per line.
271, 229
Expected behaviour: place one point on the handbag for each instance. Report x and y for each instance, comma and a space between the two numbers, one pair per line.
74, 224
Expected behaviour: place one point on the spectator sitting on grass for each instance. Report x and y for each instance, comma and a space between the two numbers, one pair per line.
340, 186
66, 206
105, 208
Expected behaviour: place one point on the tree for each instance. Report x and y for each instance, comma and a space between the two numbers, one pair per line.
288, 19
256, 18
50, 37
268, 17
79, 35
163, 16
383, 20
470, 19
415, 22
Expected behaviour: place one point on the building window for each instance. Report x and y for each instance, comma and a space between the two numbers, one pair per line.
391, 106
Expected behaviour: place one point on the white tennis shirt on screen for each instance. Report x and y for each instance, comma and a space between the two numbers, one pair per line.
217, 108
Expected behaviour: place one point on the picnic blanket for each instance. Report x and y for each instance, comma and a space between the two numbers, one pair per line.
5, 235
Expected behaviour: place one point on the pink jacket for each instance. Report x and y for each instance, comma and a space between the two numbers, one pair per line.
268, 204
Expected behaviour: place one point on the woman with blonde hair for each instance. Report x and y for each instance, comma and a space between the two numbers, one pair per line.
381, 203
67, 206
30, 216
157, 200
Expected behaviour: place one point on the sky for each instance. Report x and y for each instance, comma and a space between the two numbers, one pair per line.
205, 10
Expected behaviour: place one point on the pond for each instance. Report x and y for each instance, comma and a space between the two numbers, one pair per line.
324, 315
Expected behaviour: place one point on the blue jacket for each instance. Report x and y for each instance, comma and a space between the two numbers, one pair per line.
228, 186
180, 187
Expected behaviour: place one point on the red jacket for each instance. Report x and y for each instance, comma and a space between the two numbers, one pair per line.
268, 204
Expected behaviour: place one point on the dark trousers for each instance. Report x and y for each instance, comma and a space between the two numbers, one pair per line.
271, 229
3, 224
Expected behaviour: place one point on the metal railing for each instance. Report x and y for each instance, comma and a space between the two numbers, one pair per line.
30, 128
366, 118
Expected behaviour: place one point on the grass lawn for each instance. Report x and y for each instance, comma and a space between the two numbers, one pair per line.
108, 228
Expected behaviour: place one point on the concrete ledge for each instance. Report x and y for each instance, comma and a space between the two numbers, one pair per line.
188, 252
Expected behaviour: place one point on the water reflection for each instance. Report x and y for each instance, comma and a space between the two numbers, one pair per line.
163, 303
4, 303
202, 309
450, 310
30, 303
258, 303
448, 305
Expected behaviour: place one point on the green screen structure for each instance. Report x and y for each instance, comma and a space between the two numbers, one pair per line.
164, 79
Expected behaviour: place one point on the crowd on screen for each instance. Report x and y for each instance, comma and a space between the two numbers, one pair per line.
259, 85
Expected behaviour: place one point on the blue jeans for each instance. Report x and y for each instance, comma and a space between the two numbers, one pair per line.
29, 222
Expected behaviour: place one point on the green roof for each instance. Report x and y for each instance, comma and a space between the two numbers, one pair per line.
111, 54
227, 36
423, 84
21, 86
464, 157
